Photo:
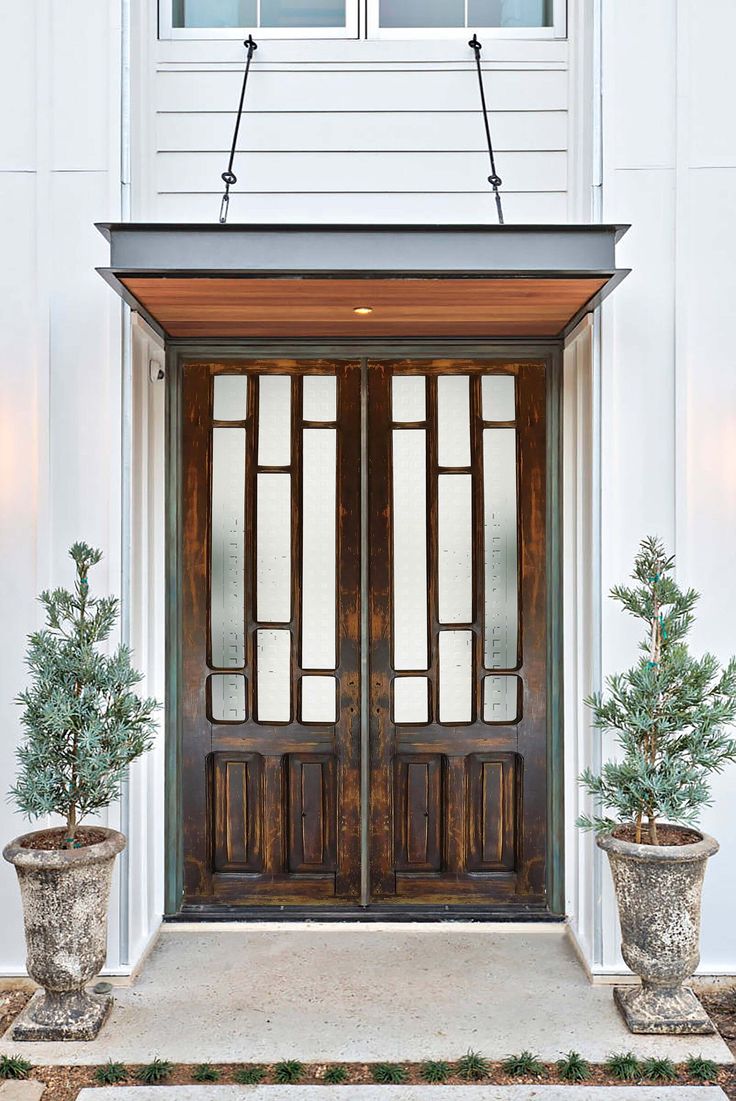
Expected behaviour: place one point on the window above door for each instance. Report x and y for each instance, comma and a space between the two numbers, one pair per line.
373, 19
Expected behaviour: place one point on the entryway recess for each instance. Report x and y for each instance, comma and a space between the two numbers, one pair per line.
363, 626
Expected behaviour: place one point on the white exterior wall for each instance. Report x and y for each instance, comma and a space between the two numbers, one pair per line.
341, 131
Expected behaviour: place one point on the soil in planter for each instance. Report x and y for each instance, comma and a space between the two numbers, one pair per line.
666, 835
56, 838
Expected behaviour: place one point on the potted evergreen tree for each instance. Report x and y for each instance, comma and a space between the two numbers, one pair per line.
82, 726
668, 713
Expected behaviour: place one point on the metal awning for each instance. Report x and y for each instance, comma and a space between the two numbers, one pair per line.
198, 282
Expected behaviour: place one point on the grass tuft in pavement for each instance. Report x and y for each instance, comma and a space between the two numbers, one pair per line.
111, 1073
473, 1066
158, 1070
659, 1070
623, 1065
524, 1065
14, 1066
702, 1070
388, 1074
435, 1071
335, 1075
249, 1076
288, 1072
573, 1068
205, 1072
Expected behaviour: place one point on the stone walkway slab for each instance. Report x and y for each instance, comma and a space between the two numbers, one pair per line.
404, 1093
362, 993
24, 1091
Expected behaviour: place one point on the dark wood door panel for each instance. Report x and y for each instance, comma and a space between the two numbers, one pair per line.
271, 691
457, 716
458, 722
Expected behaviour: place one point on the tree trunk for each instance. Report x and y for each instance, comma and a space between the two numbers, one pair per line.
653, 839
71, 827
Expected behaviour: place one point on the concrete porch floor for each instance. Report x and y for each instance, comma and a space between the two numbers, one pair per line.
317, 992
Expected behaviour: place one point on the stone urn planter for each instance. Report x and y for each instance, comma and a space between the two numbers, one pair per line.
658, 891
65, 894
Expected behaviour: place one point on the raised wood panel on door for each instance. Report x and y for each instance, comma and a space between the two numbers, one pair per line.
270, 808
458, 808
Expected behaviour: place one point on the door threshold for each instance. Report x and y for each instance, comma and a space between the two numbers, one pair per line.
400, 914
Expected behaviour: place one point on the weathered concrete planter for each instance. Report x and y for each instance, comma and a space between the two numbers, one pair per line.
658, 890
65, 895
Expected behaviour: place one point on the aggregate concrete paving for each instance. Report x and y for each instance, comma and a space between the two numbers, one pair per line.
362, 993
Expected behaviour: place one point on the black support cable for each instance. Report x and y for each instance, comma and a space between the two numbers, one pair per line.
494, 179
228, 176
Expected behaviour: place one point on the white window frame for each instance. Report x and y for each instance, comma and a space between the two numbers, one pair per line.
166, 29
557, 30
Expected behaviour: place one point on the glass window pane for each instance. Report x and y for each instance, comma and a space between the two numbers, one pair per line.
498, 397
273, 666
456, 676
319, 700
274, 420
411, 700
214, 13
500, 566
453, 420
408, 400
319, 497
409, 515
302, 13
509, 13
455, 547
500, 699
273, 542
227, 698
422, 13
230, 398
227, 554
320, 398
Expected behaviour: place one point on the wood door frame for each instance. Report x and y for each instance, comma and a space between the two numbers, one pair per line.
178, 353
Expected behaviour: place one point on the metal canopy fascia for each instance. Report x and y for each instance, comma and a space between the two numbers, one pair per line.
161, 250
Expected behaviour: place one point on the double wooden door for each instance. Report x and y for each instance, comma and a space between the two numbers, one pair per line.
363, 602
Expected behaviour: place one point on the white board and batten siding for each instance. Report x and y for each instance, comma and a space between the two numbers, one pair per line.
355, 131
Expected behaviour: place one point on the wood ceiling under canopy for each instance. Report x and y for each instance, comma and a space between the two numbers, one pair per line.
199, 282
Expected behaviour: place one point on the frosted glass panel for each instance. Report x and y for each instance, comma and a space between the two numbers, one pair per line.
319, 699
497, 392
274, 420
455, 544
214, 13
456, 676
408, 398
227, 698
320, 398
453, 420
273, 665
500, 551
230, 398
411, 700
302, 13
509, 13
319, 548
273, 555
500, 699
227, 561
409, 516
422, 13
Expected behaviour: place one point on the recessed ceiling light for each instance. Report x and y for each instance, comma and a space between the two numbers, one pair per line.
362, 310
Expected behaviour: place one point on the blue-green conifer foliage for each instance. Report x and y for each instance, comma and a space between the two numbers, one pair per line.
82, 722
668, 712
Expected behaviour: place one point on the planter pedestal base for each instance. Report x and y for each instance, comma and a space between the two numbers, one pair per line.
62, 1017
651, 1009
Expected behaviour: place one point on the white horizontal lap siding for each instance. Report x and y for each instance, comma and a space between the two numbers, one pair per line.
349, 90
365, 135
